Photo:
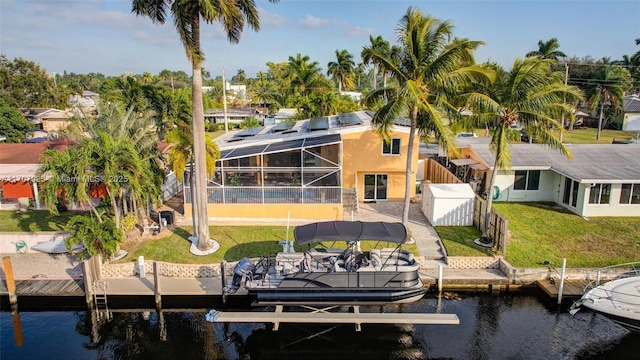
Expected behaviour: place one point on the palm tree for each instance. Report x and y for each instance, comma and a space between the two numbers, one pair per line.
263, 89
377, 46
608, 86
342, 70
429, 70
531, 94
547, 50
95, 236
181, 154
303, 74
186, 16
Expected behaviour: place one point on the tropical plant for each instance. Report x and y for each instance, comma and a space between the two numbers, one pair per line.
342, 70
429, 70
532, 95
186, 16
249, 122
548, 50
304, 76
607, 88
24, 83
377, 46
93, 236
263, 90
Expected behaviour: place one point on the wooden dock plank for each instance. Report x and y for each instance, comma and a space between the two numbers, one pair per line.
571, 287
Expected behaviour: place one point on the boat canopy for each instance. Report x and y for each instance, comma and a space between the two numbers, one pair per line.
350, 231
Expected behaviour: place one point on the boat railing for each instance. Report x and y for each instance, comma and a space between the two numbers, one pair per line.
620, 299
612, 272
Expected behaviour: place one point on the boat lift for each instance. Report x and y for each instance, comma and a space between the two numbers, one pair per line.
324, 316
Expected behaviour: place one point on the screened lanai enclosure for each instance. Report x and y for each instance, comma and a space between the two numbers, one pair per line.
301, 171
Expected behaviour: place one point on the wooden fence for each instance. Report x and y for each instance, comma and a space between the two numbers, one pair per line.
438, 174
498, 225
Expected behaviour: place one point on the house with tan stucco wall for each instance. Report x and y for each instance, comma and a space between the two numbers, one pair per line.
307, 169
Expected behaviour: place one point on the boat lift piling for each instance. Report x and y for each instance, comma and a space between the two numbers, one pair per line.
440, 279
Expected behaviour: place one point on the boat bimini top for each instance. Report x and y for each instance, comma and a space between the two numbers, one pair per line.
351, 231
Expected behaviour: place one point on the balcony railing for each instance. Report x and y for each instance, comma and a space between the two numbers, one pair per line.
270, 195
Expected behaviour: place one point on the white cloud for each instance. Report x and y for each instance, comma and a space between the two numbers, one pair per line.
155, 39
313, 22
271, 19
354, 30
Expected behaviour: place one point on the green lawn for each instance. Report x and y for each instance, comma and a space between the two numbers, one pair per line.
546, 232
34, 220
235, 242
458, 240
588, 136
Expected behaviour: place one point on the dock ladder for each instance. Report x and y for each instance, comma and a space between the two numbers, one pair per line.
100, 299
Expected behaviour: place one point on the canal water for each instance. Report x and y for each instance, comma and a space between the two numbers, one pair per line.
505, 326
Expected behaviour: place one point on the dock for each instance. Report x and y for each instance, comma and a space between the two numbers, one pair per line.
572, 288
323, 316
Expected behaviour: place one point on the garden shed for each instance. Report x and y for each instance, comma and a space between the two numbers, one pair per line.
448, 204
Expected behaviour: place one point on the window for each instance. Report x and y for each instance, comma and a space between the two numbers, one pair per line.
527, 180
392, 147
630, 194
600, 194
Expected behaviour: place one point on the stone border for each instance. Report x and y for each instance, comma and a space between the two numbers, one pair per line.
132, 269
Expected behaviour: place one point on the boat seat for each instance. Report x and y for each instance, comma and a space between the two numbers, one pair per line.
374, 255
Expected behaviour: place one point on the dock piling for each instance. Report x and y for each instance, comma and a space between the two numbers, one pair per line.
440, 278
11, 283
561, 287
223, 281
87, 276
156, 281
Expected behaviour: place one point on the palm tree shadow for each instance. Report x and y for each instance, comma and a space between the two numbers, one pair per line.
253, 249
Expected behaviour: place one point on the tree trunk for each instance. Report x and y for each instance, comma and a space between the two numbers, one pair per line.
375, 76
199, 150
407, 187
487, 215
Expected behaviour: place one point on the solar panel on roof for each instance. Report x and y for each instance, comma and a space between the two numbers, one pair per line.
319, 124
349, 119
285, 145
321, 140
402, 122
252, 131
283, 126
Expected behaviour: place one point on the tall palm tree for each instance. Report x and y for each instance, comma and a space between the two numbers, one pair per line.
342, 70
531, 94
263, 89
548, 50
377, 46
181, 154
187, 15
304, 75
608, 86
429, 70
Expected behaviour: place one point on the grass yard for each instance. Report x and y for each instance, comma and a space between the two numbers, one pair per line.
546, 232
588, 136
458, 240
34, 220
236, 242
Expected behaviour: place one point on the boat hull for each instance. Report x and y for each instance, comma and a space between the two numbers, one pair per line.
357, 288
618, 300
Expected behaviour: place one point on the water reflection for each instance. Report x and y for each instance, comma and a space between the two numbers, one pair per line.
491, 327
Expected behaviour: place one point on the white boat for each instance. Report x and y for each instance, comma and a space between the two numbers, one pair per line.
618, 299
329, 276
51, 247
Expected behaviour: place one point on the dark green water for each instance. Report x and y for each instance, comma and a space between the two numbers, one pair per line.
491, 327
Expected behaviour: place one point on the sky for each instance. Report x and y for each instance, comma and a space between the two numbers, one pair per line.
103, 36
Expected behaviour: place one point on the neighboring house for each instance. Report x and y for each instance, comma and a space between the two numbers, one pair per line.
600, 180
87, 100
630, 119
302, 169
50, 120
18, 166
234, 116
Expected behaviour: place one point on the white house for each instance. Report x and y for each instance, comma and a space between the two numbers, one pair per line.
600, 180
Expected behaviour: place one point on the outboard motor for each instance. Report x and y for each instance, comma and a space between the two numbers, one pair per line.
242, 269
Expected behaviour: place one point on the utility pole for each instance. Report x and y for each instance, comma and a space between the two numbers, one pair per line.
224, 102
566, 81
